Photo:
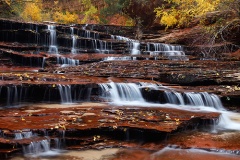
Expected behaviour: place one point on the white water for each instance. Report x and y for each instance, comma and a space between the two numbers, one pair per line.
103, 46
87, 34
74, 41
121, 38
52, 40
65, 93
135, 48
122, 92
133, 45
12, 95
67, 61
36, 147
174, 52
194, 99
23, 134
43, 62
100, 46
181, 154
127, 58
129, 94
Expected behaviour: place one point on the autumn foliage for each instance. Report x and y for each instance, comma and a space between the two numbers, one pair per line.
182, 12
123, 12
32, 11
67, 17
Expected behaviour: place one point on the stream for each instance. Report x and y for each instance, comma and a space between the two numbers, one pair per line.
77, 92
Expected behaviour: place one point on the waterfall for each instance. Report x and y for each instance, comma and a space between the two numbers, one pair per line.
103, 46
12, 95
74, 41
67, 61
174, 52
52, 40
174, 98
158, 47
135, 48
131, 92
65, 93
127, 58
37, 147
121, 92
43, 61
194, 99
100, 46
87, 34
203, 99
121, 38
23, 134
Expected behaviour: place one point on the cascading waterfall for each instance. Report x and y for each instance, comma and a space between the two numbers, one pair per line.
100, 46
130, 94
52, 39
121, 38
65, 93
174, 98
167, 50
194, 99
37, 147
23, 134
54, 49
121, 92
12, 95
127, 58
117, 92
15, 95
87, 34
103, 47
204, 99
67, 61
70, 94
154, 49
74, 41
135, 48
133, 45
43, 61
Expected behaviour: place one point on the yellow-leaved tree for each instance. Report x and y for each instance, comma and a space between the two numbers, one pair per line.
32, 11
182, 11
65, 17
90, 13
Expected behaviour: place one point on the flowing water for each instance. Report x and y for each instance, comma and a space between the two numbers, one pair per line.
130, 94
52, 39
74, 41
117, 94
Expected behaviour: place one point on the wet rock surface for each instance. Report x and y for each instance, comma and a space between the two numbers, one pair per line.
33, 74
95, 125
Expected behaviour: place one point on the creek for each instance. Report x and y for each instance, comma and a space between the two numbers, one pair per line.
90, 92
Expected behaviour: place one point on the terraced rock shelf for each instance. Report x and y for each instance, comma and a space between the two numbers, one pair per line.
84, 87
